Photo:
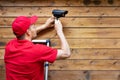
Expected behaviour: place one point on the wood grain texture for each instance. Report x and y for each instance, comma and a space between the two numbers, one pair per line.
85, 53
89, 43
2, 64
80, 43
85, 65
84, 75
78, 75
92, 31
105, 54
73, 33
45, 3
81, 65
69, 75
105, 75
73, 11
73, 22
2, 52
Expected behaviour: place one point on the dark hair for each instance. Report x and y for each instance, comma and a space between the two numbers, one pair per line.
19, 37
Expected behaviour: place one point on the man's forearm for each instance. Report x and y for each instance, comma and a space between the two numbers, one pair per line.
47, 24
40, 28
64, 44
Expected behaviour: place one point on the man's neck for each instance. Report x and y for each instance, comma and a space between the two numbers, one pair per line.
28, 38
25, 38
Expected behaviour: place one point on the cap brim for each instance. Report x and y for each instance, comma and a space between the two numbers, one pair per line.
33, 19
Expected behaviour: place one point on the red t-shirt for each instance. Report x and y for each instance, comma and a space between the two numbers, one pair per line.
25, 60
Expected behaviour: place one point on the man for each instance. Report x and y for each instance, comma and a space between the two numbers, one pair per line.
25, 60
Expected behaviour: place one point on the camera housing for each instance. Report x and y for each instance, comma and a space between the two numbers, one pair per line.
59, 13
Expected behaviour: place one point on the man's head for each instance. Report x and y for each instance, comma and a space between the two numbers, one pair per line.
24, 26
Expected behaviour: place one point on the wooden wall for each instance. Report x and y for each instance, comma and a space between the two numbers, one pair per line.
93, 32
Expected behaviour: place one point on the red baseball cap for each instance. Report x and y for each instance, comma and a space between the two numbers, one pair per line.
22, 23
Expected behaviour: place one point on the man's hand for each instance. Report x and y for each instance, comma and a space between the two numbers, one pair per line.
58, 26
50, 22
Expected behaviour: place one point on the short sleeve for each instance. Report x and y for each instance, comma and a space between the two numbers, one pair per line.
45, 53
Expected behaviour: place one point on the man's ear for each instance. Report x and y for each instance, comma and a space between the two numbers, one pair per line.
28, 32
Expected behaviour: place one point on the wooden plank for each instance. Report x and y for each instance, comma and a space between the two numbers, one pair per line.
2, 51
80, 43
84, 75
78, 75
73, 11
87, 54
54, 3
2, 73
70, 33
67, 75
82, 65
89, 43
95, 54
73, 22
3, 42
85, 65
105, 75
2, 64
6, 33
2, 70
